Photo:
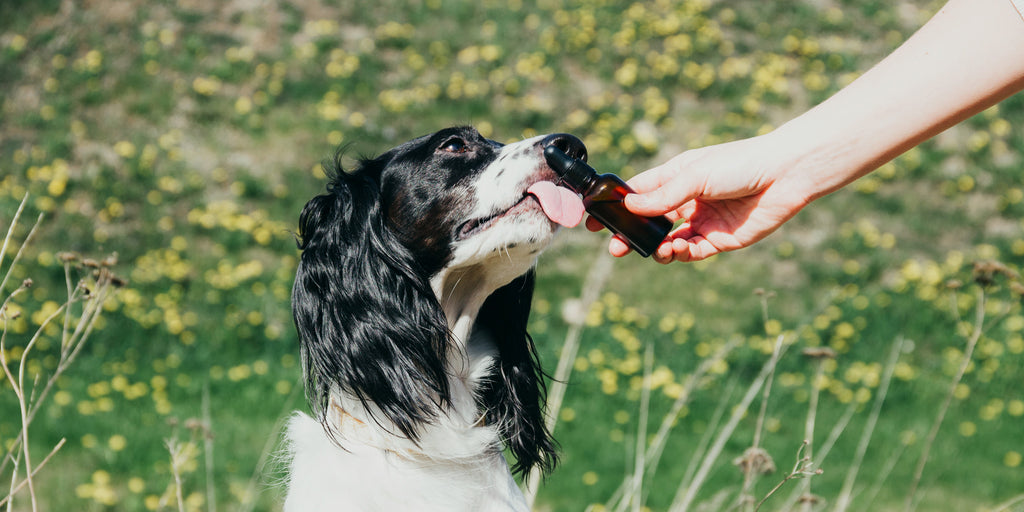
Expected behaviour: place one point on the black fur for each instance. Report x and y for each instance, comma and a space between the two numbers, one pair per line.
514, 396
369, 322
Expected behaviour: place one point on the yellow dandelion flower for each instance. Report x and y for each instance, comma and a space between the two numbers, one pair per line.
85, 491
616, 436
136, 485
908, 437
243, 105
567, 414
17, 43
240, 372
581, 364
206, 86
1012, 459
62, 398
621, 417
117, 442
965, 183
335, 137
1015, 407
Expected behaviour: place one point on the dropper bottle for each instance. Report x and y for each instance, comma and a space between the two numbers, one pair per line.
603, 196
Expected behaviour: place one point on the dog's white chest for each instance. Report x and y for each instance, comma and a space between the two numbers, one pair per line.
325, 477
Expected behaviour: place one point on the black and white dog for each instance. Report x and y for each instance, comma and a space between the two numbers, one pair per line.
411, 302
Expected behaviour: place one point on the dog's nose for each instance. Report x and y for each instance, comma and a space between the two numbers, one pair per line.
569, 144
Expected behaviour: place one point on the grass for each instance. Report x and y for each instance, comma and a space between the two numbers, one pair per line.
186, 136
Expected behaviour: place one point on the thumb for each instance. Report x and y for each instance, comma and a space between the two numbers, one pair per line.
661, 190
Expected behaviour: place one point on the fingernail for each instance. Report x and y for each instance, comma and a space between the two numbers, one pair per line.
636, 200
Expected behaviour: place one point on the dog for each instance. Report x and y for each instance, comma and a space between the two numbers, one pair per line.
411, 300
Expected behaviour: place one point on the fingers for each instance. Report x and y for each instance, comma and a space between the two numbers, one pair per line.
683, 245
617, 247
662, 189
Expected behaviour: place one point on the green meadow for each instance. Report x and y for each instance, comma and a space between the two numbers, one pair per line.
160, 152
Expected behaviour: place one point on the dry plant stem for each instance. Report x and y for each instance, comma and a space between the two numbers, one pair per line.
658, 444
749, 473
636, 492
30, 397
18, 385
75, 342
8, 499
657, 448
90, 314
883, 476
812, 412
826, 447
1006, 505
211, 489
972, 341
177, 452
800, 470
685, 496
7, 240
712, 427
837, 430
846, 494
594, 282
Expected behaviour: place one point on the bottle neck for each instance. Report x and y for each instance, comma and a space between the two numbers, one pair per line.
579, 177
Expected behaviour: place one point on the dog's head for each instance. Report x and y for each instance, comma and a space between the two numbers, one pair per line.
449, 216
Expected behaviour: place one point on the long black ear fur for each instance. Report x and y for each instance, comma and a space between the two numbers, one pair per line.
514, 396
368, 321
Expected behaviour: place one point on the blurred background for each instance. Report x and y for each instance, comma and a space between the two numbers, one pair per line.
185, 136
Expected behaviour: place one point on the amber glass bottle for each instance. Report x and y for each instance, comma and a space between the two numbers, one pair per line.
602, 198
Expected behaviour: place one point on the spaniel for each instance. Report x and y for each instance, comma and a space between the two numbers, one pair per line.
411, 301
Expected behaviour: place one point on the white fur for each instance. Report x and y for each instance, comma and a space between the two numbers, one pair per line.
457, 465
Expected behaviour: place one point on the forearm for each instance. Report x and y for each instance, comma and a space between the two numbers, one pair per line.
968, 57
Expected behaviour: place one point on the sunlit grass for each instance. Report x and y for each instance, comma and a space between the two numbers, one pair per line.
186, 138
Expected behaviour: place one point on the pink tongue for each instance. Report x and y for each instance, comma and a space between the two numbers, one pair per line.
560, 204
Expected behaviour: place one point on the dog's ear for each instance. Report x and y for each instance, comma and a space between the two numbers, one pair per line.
514, 396
368, 321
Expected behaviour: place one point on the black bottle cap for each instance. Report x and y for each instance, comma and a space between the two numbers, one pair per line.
574, 172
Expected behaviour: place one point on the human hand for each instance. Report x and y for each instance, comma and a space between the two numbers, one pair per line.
726, 197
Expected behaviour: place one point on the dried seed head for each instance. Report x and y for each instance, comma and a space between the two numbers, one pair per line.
755, 461
27, 283
110, 260
985, 272
67, 257
818, 353
91, 263
811, 499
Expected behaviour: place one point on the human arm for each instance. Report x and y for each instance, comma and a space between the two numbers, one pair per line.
969, 56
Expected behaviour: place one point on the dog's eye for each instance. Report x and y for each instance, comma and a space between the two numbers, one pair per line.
454, 145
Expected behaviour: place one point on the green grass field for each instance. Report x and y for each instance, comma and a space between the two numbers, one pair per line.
185, 136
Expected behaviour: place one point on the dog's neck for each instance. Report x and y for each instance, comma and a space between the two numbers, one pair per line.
461, 292
460, 431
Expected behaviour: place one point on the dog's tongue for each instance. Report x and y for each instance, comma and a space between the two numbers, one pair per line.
560, 204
